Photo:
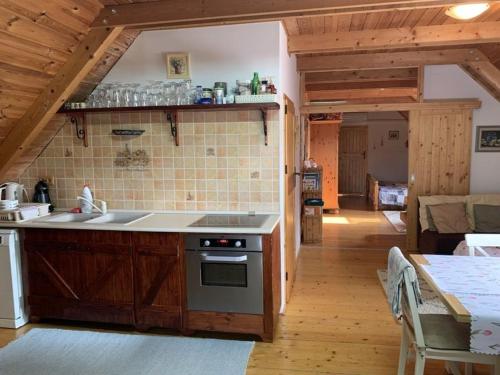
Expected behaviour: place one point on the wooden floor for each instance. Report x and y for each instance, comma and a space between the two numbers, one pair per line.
337, 321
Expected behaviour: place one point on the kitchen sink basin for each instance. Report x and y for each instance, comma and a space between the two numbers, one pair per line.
70, 218
118, 218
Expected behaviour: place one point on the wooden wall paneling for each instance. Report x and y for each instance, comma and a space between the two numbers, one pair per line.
324, 143
440, 144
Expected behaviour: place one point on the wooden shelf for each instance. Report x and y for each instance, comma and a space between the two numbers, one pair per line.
78, 115
325, 122
171, 108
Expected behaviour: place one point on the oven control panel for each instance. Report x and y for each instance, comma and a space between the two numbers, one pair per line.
223, 243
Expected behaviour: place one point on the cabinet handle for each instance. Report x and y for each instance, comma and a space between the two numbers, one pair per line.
229, 259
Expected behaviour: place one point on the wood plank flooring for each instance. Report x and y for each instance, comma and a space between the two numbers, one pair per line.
337, 321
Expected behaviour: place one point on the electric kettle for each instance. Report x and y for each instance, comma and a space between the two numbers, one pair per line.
12, 191
42, 194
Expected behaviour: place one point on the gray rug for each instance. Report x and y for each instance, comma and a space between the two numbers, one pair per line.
68, 352
431, 302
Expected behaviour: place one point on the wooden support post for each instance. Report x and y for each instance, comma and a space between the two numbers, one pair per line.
27, 129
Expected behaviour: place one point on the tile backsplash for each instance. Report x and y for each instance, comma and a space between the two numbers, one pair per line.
221, 163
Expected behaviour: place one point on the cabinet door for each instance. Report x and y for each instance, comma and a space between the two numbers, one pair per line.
83, 275
158, 280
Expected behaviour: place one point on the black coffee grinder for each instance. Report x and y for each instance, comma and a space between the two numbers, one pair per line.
42, 194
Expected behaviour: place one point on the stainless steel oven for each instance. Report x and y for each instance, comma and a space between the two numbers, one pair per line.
224, 273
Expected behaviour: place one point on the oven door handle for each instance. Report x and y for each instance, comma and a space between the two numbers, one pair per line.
215, 258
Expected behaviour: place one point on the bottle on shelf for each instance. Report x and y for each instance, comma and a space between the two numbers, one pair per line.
255, 85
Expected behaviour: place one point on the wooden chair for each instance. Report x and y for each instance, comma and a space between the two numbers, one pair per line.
435, 336
476, 242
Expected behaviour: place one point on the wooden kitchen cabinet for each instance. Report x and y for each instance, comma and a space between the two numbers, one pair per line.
105, 276
158, 280
80, 275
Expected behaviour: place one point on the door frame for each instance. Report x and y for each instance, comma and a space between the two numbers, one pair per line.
290, 173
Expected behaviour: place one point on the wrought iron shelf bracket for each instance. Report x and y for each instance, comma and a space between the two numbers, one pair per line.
79, 121
172, 118
264, 124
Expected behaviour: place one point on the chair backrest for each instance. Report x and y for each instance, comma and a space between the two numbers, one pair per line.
411, 312
477, 241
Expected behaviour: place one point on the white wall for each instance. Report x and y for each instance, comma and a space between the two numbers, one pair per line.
218, 53
451, 82
387, 159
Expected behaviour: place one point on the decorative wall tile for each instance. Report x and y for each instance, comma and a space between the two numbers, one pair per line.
221, 164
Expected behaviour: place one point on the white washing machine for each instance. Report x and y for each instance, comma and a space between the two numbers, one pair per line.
12, 309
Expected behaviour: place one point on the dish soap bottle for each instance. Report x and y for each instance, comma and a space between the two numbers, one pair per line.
86, 203
255, 84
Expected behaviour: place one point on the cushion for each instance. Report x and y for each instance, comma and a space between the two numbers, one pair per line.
450, 218
487, 218
432, 200
471, 200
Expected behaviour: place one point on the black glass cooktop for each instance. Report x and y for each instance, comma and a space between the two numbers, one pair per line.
232, 221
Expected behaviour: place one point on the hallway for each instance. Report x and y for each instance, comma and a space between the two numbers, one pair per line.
337, 321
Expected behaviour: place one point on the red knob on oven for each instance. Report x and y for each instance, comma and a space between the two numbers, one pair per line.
206, 243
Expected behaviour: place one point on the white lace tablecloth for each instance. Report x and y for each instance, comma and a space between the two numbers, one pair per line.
475, 281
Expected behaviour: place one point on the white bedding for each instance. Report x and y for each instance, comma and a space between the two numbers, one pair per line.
393, 195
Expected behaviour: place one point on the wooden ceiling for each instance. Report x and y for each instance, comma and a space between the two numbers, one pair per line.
38, 38
332, 82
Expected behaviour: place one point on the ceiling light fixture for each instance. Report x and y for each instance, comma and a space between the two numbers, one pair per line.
467, 11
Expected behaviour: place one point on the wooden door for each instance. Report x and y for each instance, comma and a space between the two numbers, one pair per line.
439, 158
158, 279
353, 149
290, 188
324, 149
80, 275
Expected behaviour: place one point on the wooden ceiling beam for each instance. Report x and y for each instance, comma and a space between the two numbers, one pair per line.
361, 76
360, 85
352, 94
391, 107
26, 129
191, 12
401, 37
388, 60
486, 74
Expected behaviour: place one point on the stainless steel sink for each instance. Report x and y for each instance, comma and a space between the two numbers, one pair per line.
118, 218
69, 218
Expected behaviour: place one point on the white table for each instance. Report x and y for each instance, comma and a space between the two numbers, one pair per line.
470, 288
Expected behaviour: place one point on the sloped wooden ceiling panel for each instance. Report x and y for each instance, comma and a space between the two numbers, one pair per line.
36, 39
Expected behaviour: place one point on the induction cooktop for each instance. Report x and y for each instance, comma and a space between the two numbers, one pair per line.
231, 221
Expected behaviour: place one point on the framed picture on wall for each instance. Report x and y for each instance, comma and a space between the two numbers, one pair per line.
393, 135
488, 139
178, 65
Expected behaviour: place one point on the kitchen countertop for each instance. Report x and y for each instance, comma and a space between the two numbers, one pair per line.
155, 222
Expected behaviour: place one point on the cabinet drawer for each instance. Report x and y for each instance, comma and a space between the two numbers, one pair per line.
157, 243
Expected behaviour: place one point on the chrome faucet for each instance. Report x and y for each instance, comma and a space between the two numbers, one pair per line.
103, 209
